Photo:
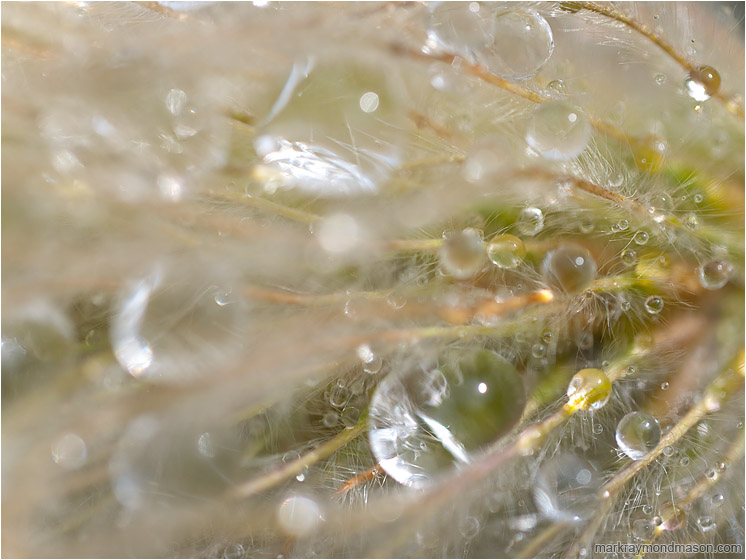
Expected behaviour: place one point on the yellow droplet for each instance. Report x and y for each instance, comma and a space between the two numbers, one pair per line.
589, 388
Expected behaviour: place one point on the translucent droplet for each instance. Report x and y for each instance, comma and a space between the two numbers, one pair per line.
702, 83
625, 305
691, 221
175, 101
684, 461
371, 362
330, 419
622, 225
339, 396
629, 257
714, 274
721, 467
637, 434
589, 388
586, 225
462, 254
668, 451
206, 446
660, 79
547, 337
654, 305
298, 516
706, 524
664, 385
671, 518
470, 400
520, 44
630, 371
598, 429
234, 550
698, 198
506, 251
338, 233
566, 488
369, 102
538, 351
70, 452
558, 130
641, 237
469, 527
647, 509
717, 500
530, 221
643, 529
569, 268
350, 416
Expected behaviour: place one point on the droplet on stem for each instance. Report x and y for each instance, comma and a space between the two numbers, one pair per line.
702, 82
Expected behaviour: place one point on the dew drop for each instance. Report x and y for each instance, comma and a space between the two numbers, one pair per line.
589, 388
175, 101
641, 237
350, 416
597, 429
469, 527
630, 371
714, 274
530, 221
369, 102
664, 386
556, 89
643, 529
702, 83
569, 268
586, 225
698, 198
668, 451
671, 518
721, 467
338, 233
70, 452
717, 500
654, 305
547, 337
691, 221
520, 44
637, 434
206, 445
625, 305
647, 509
339, 397
462, 254
470, 400
629, 257
558, 130
706, 524
684, 461
234, 550
660, 79
566, 488
538, 351
622, 225
506, 251
330, 419
298, 516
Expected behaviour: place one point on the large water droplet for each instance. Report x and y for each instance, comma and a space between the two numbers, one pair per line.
702, 83
589, 388
298, 516
70, 451
654, 305
506, 251
462, 254
530, 221
338, 233
569, 268
566, 488
714, 274
558, 130
427, 419
637, 434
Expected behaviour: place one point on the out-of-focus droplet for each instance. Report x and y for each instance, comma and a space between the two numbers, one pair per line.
206, 445
566, 488
660, 79
589, 388
330, 419
538, 351
643, 529
558, 130
647, 509
520, 44
506, 251
654, 305
702, 82
70, 451
569, 268
637, 434
298, 516
369, 102
462, 254
233, 551
714, 274
469, 527
530, 221
698, 198
597, 429
668, 451
338, 233
175, 101
670, 518
706, 524
425, 420
350, 416
717, 500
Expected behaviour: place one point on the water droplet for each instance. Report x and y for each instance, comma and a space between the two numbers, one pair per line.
462, 254
630, 371
714, 274
547, 337
338, 233
350, 416
175, 101
520, 44
597, 429
698, 198
206, 446
706, 524
589, 388
506, 251
702, 83
625, 305
569, 268
721, 467
70, 452
668, 451
339, 396
566, 488
671, 518
691, 221
369, 102
641, 237
558, 130
330, 419
637, 434
629, 257
654, 305
234, 550
556, 89
647, 509
298, 516
616, 180
586, 225
538, 351
664, 386
643, 529
469, 527
684, 461
660, 79
470, 400
622, 225
717, 500
530, 221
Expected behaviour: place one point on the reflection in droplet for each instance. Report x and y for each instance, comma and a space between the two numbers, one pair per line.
530, 221
462, 254
569, 268
637, 434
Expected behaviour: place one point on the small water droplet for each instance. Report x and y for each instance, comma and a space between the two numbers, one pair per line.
629, 257
569, 268
625, 305
643, 529
714, 274
469, 527
369, 102
350, 416
558, 130
641, 237
530, 221
206, 446
298, 516
597, 429
702, 83
339, 396
706, 524
717, 500
589, 388
506, 251
70, 452
637, 434
684, 461
630, 371
647, 509
586, 225
330, 419
668, 451
698, 198
538, 351
721, 467
664, 386
175, 101
566, 488
622, 225
660, 79
654, 305
234, 550
462, 254
556, 89
338, 233
547, 337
